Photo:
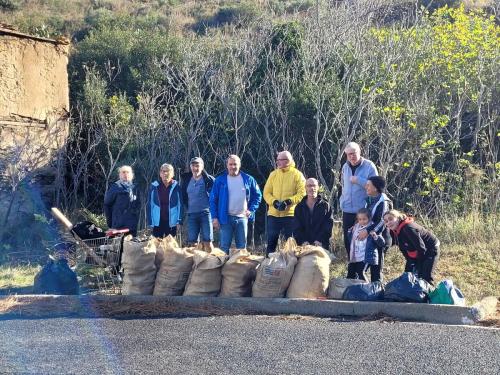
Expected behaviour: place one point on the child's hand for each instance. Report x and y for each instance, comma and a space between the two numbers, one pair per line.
373, 234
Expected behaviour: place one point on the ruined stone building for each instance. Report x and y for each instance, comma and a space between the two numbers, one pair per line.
34, 125
34, 103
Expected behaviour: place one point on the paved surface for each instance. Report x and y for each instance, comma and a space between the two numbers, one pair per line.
244, 345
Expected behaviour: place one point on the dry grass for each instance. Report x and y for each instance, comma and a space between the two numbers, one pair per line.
46, 306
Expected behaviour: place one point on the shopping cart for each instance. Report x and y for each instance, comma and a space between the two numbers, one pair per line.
97, 261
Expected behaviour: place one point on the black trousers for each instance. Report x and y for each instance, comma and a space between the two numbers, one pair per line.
356, 270
348, 221
164, 229
275, 226
424, 268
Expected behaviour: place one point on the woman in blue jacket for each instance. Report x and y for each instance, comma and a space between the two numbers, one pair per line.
165, 209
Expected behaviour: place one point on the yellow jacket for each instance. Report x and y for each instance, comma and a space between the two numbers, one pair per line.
282, 184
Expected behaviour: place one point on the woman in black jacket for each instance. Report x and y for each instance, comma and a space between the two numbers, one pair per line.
313, 221
419, 246
121, 202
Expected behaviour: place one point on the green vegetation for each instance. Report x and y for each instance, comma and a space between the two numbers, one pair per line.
17, 276
162, 81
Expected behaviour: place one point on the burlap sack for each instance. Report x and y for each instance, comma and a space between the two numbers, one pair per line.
312, 273
138, 262
338, 286
162, 244
238, 274
274, 273
205, 278
175, 268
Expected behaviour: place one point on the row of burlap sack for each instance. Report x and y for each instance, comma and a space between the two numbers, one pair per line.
161, 267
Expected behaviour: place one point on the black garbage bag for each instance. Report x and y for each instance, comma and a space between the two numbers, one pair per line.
56, 278
364, 292
87, 230
408, 288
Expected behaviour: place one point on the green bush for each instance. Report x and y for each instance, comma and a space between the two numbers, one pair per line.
9, 5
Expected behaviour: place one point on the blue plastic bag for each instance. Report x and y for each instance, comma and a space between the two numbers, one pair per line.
408, 288
56, 278
364, 292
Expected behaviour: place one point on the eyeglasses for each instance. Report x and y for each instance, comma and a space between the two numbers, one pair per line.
281, 159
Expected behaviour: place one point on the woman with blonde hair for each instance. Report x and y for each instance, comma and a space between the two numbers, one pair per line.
419, 246
121, 202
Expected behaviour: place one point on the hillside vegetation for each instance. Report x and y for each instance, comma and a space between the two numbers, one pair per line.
416, 83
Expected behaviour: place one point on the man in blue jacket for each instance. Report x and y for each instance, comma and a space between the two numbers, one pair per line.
234, 199
165, 208
355, 173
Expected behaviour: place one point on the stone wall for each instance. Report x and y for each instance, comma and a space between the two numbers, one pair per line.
34, 92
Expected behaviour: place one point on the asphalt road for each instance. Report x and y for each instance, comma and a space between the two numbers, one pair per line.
244, 345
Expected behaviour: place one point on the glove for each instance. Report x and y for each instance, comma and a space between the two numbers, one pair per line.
276, 204
282, 206
288, 202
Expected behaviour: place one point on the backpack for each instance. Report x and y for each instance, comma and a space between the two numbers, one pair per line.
408, 288
88, 230
56, 278
447, 294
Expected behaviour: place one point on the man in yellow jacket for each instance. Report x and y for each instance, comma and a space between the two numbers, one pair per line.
284, 188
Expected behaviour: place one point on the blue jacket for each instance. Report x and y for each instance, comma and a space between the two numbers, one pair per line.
219, 197
354, 195
122, 206
176, 208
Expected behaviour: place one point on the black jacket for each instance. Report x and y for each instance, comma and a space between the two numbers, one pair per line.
315, 227
414, 241
379, 206
122, 206
184, 182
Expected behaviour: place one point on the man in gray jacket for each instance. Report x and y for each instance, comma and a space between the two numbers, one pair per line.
355, 173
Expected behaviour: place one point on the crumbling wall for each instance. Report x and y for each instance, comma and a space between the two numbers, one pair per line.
34, 92
34, 105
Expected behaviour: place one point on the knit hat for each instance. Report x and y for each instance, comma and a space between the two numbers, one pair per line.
378, 182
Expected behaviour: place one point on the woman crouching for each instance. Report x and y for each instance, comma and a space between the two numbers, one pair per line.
419, 246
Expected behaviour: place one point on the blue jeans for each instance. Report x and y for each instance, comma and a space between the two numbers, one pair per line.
237, 226
200, 222
275, 226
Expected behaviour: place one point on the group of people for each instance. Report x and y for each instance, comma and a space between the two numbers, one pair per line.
295, 208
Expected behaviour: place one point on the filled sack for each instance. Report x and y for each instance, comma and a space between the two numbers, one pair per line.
338, 286
238, 274
312, 272
138, 261
447, 294
407, 288
364, 292
56, 278
274, 273
174, 269
206, 277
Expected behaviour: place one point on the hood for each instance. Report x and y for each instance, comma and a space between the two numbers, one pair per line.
286, 169
402, 224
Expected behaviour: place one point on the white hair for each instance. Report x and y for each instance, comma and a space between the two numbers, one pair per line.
236, 158
167, 167
352, 146
123, 167
316, 182
287, 154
